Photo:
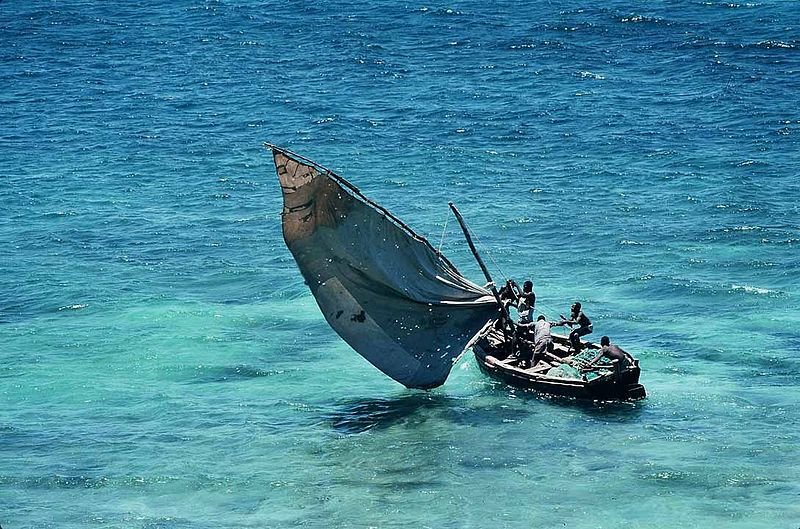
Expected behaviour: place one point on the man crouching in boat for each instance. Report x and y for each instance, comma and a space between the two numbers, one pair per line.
532, 352
542, 339
619, 357
577, 317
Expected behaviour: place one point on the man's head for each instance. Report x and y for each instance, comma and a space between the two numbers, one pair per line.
541, 317
605, 341
576, 306
527, 286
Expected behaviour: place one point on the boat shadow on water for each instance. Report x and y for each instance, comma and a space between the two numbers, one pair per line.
609, 410
495, 405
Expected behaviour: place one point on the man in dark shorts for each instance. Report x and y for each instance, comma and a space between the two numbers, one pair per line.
528, 295
577, 317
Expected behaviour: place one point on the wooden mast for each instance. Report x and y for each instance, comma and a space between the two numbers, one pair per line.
503, 308
485, 270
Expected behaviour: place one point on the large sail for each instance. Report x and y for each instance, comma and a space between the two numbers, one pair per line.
386, 291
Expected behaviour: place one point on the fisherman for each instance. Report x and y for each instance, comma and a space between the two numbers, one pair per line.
528, 294
577, 317
542, 339
509, 293
523, 342
508, 296
614, 353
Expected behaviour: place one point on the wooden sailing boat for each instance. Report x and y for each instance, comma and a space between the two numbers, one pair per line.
395, 299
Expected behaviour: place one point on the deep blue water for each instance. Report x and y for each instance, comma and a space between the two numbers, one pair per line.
162, 364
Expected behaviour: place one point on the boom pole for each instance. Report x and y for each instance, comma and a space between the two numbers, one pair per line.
463, 225
505, 316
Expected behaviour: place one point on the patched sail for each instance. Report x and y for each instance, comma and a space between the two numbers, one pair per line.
386, 291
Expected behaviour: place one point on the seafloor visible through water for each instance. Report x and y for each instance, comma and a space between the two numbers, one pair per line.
162, 364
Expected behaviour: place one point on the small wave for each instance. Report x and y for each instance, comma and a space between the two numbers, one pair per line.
543, 43
771, 44
642, 19
628, 242
442, 11
591, 75
747, 163
723, 44
642, 278
666, 152
395, 183
60, 214
742, 228
754, 290
77, 306
733, 5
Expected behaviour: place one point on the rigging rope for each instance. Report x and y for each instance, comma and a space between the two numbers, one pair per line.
488, 252
444, 230
485, 251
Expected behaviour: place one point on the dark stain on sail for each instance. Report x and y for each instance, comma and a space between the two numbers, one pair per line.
339, 314
361, 317
292, 209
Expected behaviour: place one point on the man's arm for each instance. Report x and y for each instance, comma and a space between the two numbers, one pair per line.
596, 358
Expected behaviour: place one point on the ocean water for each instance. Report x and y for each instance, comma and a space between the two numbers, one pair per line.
162, 364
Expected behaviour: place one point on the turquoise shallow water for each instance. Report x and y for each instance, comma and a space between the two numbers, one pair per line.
162, 364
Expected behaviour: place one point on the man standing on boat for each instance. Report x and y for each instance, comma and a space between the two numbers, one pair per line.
522, 341
577, 317
528, 295
509, 293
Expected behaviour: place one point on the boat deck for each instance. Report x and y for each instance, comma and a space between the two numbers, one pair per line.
559, 372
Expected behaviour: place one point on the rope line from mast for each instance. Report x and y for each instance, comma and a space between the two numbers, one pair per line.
444, 231
486, 251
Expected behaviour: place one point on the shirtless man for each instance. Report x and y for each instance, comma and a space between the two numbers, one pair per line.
509, 293
577, 317
612, 352
528, 295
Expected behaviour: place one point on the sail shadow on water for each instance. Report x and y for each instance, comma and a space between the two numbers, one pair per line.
205, 374
358, 416
366, 414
